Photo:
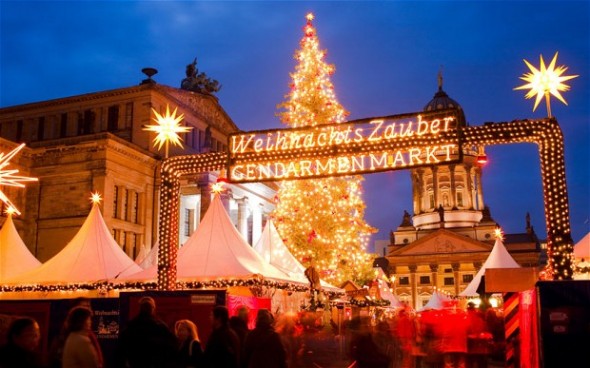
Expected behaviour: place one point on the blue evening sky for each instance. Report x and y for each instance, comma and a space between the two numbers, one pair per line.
387, 55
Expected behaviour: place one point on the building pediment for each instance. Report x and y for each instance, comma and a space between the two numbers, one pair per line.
440, 242
205, 106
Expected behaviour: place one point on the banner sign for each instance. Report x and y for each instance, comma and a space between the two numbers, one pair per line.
355, 147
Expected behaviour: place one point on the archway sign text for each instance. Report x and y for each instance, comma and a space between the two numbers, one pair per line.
365, 146
356, 147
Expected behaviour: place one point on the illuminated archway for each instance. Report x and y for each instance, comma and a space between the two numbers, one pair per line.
546, 133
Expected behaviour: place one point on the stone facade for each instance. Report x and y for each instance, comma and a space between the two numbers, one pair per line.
96, 142
444, 243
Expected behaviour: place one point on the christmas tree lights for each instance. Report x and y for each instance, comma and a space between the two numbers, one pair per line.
321, 220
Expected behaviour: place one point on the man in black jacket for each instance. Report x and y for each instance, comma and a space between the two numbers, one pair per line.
147, 342
223, 346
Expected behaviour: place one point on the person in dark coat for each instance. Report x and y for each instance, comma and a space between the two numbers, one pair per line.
190, 353
223, 347
147, 342
239, 323
20, 350
363, 348
263, 347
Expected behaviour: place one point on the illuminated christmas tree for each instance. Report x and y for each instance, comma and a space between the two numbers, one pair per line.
321, 219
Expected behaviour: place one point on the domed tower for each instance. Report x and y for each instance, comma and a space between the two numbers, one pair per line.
448, 196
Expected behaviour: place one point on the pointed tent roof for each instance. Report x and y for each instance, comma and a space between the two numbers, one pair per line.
582, 248
436, 301
272, 248
92, 255
141, 254
217, 250
386, 294
145, 258
15, 257
498, 258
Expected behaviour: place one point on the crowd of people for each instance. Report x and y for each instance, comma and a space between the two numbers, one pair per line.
449, 338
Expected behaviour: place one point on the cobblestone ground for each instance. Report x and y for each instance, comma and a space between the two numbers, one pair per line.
329, 352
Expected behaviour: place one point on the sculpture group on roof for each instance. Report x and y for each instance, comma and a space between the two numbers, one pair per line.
198, 82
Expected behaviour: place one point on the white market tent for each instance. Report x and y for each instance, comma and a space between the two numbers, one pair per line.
216, 250
145, 258
436, 301
91, 256
498, 258
582, 258
15, 257
582, 248
386, 294
272, 248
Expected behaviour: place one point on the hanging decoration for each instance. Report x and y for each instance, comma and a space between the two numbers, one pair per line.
545, 81
167, 129
8, 178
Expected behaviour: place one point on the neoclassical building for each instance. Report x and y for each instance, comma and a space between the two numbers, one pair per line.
97, 142
450, 234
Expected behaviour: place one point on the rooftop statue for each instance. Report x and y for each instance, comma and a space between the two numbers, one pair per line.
198, 82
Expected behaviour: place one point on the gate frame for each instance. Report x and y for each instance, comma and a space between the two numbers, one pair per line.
546, 133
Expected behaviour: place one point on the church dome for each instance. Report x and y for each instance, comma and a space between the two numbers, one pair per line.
442, 101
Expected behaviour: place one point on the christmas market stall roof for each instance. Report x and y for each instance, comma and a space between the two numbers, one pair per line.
385, 293
147, 258
15, 257
582, 248
215, 252
498, 258
436, 301
272, 248
91, 256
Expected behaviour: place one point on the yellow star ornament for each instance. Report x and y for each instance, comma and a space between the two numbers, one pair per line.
545, 81
167, 128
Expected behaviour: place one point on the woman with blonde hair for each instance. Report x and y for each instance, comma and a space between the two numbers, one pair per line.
190, 352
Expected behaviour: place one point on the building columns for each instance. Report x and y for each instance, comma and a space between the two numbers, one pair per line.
256, 222
413, 284
456, 267
434, 270
453, 201
243, 216
435, 187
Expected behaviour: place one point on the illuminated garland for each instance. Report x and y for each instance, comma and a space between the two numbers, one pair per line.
181, 285
171, 172
547, 135
370, 303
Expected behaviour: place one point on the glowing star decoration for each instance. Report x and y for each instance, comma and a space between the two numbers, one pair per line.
95, 198
499, 234
8, 178
167, 129
217, 188
545, 81
10, 211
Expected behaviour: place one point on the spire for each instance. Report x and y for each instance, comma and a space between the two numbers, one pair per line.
440, 78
